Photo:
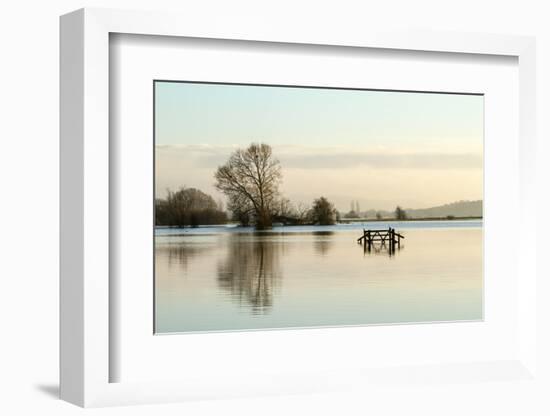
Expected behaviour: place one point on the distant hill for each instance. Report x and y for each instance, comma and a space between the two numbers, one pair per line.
455, 209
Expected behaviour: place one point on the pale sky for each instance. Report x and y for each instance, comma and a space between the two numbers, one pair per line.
380, 148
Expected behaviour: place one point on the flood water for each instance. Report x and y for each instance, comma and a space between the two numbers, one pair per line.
232, 278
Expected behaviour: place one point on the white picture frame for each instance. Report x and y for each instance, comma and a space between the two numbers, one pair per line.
85, 216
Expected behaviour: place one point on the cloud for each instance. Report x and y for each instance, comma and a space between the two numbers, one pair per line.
379, 177
302, 157
384, 161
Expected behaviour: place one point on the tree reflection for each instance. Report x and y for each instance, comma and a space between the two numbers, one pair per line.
323, 241
180, 254
251, 271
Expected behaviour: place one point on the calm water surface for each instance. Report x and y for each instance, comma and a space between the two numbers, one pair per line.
231, 278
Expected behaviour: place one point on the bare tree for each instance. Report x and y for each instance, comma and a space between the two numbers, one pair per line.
251, 176
284, 208
241, 208
302, 211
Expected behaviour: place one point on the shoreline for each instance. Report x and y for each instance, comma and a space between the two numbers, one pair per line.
341, 222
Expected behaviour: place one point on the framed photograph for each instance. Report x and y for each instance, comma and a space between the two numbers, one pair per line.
259, 235
265, 211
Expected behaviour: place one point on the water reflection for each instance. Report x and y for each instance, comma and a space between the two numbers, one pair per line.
234, 280
251, 271
379, 249
323, 241
381, 246
179, 255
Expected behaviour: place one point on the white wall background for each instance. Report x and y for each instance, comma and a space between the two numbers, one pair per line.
29, 183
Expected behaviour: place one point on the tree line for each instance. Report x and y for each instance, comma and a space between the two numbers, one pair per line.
398, 214
250, 180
